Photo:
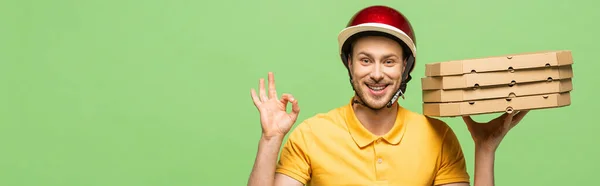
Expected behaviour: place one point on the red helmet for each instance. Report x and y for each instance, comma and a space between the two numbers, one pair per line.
382, 21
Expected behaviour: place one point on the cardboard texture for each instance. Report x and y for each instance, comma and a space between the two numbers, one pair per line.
496, 78
525, 89
500, 63
527, 81
497, 105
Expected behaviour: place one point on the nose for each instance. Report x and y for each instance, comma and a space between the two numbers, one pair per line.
377, 73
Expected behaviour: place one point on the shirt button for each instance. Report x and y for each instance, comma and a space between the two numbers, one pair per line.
379, 160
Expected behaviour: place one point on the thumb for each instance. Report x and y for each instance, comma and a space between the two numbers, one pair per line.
469, 121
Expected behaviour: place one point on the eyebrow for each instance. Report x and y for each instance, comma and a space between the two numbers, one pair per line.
385, 56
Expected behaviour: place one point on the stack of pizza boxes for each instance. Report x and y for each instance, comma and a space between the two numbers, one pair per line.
525, 81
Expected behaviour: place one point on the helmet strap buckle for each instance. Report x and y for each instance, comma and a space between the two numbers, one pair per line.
404, 82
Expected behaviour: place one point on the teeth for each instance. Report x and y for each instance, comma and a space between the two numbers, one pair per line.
377, 88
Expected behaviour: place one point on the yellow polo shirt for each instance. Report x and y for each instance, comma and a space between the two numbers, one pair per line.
333, 148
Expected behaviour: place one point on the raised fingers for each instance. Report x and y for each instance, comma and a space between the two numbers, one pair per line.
261, 90
255, 98
272, 90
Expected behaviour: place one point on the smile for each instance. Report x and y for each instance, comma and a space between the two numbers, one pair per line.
377, 87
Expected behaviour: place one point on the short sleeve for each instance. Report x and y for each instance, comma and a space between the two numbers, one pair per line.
294, 160
452, 167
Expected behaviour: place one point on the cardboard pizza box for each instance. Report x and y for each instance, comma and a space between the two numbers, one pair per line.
509, 105
500, 63
496, 78
494, 92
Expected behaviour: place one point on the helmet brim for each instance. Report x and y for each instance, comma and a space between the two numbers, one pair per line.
348, 32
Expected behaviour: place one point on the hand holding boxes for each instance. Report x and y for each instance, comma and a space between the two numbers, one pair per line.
527, 81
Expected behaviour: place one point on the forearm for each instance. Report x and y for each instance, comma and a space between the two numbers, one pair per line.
263, 171
484, 166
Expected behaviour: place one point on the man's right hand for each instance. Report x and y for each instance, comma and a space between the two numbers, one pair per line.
275, 120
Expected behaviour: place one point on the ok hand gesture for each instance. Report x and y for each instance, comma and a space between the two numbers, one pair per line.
275, 120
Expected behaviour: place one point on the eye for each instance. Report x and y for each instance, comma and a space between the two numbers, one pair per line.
389, 61
365, 60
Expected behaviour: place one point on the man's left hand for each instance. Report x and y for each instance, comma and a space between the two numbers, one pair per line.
487, 136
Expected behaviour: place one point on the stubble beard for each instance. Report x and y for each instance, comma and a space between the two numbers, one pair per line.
369, 101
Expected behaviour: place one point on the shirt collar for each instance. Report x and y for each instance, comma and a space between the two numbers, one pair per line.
363, 137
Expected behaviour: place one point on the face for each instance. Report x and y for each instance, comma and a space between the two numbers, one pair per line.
376, 67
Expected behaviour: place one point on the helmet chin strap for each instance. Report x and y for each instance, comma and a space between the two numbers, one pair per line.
400, 92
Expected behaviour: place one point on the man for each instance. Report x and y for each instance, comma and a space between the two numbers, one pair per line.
372, 140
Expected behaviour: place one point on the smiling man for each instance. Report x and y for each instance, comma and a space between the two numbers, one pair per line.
372, 140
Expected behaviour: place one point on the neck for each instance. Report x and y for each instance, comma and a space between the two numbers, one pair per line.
378, 122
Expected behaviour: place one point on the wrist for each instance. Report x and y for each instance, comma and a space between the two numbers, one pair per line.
484, 148
484, 155
484, 165
270, 139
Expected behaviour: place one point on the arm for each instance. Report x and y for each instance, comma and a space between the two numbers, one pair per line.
487, 138
263, 172
275, 122
484, 166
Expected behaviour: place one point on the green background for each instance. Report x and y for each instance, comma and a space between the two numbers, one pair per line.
158, 92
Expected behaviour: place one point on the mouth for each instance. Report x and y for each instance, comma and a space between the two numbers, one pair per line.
377, 89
